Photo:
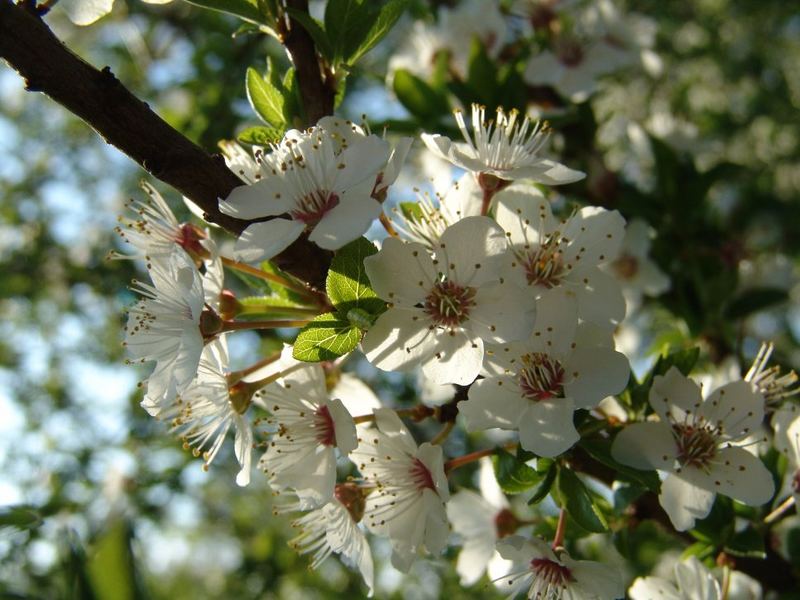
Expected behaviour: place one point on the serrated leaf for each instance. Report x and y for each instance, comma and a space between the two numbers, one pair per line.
513, 475
753, 300
315, 30
383, 23
267, 100
260, 136
549, 472
244, 9
327, 337
578, 502
347, 284
600, 450
418, 97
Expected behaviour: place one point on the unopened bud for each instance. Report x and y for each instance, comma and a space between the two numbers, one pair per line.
210, 324
229, 306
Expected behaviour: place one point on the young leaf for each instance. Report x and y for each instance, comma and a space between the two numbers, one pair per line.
418, 97
346, 23
20, 516
600, 450
327, 337
347, 284
578, 502
388, 16
548, 470
244, 9
481, 74
260, 135
513, 475
267, 100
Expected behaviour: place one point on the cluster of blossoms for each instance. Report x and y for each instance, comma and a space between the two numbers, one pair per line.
485, 289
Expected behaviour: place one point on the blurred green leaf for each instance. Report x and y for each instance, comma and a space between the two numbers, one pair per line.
381, 25
513, 475
260, 136
110, 564
315, 30
753, 300
244, 9
418, 97
600, 450
548, 469
576, 499
20, 516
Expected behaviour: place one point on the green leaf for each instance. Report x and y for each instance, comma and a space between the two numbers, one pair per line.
600, 450
718, 527
578, 502
411, 211
267, 100
418, 97
388, 16
513, 475
292, 107
548, 469
748, 543
315, 30
244, 9
346, 23
753, 300
327, 337
20, 516
110, 565
481, 74
260, 135
347, 284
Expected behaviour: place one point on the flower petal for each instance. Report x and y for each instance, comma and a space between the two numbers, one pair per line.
493, 402
345, 222
469, 251
269, 197
361, 161
595, 235
647, 588
646, 446
596, 579
262, 241
401, 272
600, 298
456, 358
683, 501
546, 428
399, 340
503, 312
742, 476
673, 390
344, 427
596, 373
735, 407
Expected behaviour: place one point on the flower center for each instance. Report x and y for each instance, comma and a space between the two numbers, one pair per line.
544, 266
190, 237
549, 573
448, 303
421, 475
626, 266
541, 377
697, 445
313, 206
505, 523
351, 497
323, 424
569, 52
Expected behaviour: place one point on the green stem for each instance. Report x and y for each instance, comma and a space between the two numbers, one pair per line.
271, 277
245, 325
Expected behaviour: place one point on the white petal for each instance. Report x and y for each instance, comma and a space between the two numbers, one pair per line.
525, 213
307, 381
543, 69
736, 407
361, 161
243, 449
674, 389
546, 428
261, 241
650, 588
595, 235
596, 373
437, 529
742, 476
399, 340
86, 12
345, 222
683, 501
438, 144
356, 396
431, 456
548, 172
474, 558
695, 581
556, 324
646, 446
597, 579
469, 250
344, 427
401, 272
503, 312
493, 402
456, 358
268, 197
600, 298
313, 477
390, 425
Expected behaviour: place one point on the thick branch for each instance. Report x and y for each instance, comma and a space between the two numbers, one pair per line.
315, 86
124, 121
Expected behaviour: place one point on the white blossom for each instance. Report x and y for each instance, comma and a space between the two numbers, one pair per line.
165, 326
323, 192
563, 258
443, 309
408, 503
545, 574
307, 429
693, 443
535, 386
503, 148
694, 582
203, 413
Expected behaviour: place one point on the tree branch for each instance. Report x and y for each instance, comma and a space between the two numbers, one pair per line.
124, 121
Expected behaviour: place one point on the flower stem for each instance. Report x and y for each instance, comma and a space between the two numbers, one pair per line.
271, 277
778, 512
460, 461
282, 310
387, 225
440, 437
244, 325
726, 581
558, 540
487, 200
235, 376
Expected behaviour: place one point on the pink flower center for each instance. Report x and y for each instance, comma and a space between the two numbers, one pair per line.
190, 237
505, 523
421, 475
448, 303
541, 377
312, 207
550, 573
544, 266
323, 424
697, 444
